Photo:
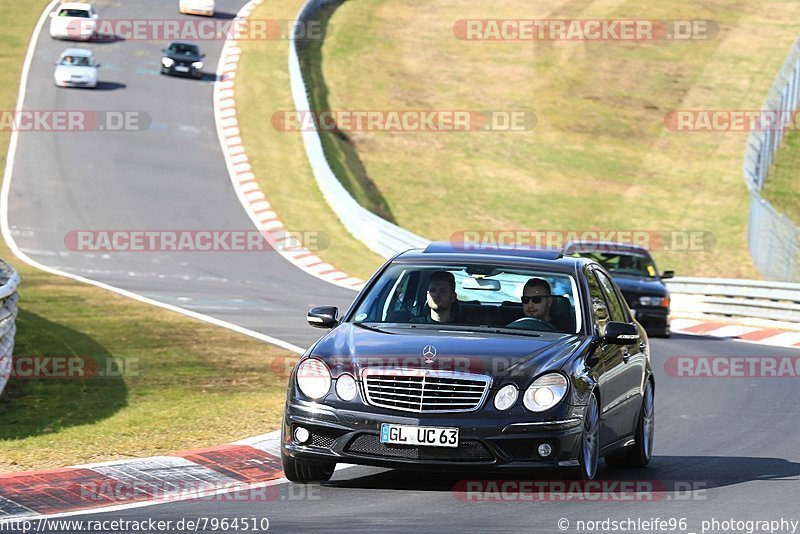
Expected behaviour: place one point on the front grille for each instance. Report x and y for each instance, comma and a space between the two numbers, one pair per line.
421, 390
467, 450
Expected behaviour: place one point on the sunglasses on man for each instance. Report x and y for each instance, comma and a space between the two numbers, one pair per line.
538, 299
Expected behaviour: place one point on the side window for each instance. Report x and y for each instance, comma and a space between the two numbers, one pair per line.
614, 305
599, 306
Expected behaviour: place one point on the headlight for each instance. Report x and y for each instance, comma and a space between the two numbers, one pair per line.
167, 62
346, 387
654, 301
314, 378
506, 397
545, 392
197, 64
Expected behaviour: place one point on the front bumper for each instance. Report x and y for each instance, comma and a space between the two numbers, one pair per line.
653, 318
196, 11
192, 72
484, 442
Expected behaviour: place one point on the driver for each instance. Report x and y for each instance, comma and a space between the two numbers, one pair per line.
441, 299
537, 299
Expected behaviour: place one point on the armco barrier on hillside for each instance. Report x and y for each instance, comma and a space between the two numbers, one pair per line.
381, 236
9, 279
774, 240
690, 296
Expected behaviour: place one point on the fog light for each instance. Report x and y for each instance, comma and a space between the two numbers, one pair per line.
545, 450
301, 435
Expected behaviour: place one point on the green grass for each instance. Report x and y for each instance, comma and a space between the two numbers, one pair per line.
781, 185
186, 383
278, 158
599, 157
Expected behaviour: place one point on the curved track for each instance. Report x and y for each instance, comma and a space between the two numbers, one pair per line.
170, 176
734, 440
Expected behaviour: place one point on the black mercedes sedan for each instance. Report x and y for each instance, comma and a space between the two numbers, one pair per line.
635, 272
470, 360
182, 58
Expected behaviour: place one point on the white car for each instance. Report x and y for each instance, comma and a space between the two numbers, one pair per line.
73, 20
197, 7
76, 68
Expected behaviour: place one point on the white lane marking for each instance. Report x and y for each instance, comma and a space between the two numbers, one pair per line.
7, 234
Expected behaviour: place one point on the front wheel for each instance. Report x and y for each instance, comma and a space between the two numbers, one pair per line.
590, 442
306, 472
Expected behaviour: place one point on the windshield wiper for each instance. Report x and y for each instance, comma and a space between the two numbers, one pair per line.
372, 328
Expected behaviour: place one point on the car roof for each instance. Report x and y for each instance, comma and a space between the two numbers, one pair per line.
79, 52
523, 256
183, 43
574, 247
75, 5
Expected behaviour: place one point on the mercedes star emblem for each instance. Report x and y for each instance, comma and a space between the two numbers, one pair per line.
429, 353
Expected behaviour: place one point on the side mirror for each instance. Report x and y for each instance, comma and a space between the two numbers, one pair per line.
94, 16
620, 334
202, 55
668, 274
323, 317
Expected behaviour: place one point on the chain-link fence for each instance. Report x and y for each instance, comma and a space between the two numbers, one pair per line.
773, 239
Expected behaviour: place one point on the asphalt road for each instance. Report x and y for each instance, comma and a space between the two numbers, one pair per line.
170, 176
725, 448
734, 441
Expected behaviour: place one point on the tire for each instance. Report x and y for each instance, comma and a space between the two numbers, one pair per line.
306, 472
589, 456
640, 454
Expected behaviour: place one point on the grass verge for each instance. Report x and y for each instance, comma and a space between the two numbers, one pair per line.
599, 157
171, 382
278, 157
781, 185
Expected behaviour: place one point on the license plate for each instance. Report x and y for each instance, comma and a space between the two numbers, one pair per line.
419, 435
182, 69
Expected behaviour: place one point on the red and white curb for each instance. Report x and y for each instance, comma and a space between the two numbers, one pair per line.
243, 469
737, 332
244, 181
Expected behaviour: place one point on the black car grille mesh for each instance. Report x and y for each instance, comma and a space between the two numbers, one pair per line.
467, 450
425, 391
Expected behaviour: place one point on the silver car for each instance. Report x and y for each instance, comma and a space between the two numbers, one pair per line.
76, 68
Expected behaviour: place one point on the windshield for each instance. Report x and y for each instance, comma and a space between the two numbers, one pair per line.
77, 61
184, 49
473, 296
624, 263
77, 13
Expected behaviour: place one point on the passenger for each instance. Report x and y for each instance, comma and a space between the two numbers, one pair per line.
537, 299
441, 299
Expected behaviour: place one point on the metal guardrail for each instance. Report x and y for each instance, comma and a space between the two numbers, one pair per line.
9, 278
774, 240
775, 301
378, 234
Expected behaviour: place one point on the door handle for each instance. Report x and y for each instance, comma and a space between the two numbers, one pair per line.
626, 356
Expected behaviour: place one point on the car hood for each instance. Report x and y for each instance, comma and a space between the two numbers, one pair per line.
351, 349
633, 287
76, 71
